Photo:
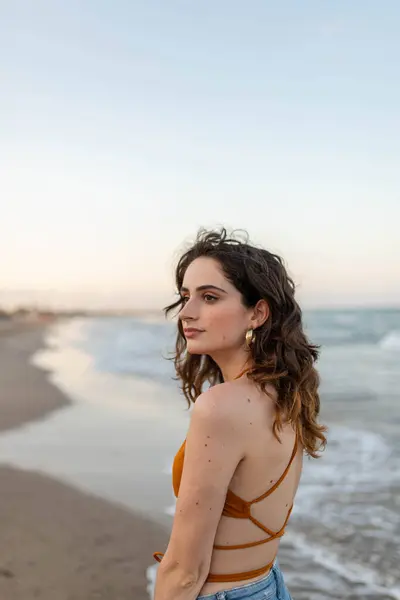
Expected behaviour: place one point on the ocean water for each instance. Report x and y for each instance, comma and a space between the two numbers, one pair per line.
343, 540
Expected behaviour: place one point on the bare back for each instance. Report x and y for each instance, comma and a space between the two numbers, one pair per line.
265, 459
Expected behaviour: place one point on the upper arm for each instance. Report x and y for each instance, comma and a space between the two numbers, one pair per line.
212, 453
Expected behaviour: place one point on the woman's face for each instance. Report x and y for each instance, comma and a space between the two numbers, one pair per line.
213, 316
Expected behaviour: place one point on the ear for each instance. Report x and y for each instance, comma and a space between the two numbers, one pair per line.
260, 314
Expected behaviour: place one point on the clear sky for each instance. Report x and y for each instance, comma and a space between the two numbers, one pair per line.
125, 125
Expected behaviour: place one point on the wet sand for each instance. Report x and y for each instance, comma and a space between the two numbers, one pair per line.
57, 542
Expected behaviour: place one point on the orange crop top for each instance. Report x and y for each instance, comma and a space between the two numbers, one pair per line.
237, 508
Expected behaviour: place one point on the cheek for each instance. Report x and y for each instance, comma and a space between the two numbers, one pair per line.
225, 322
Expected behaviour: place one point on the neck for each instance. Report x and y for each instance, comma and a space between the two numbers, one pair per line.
232, 364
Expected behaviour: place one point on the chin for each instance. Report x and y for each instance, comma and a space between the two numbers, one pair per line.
194, 348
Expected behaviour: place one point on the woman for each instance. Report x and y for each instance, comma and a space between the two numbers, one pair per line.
237, 472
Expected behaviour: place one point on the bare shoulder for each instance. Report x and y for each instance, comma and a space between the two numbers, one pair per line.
214, 449
220, 401
225, 406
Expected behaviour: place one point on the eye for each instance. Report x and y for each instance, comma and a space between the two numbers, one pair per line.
209, 298
184, 299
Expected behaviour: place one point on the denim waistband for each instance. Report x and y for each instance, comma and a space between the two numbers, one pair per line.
246, 590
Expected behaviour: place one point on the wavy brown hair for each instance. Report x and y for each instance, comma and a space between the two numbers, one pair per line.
281, 353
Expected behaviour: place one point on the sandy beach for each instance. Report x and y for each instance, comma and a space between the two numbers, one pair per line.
90, 423
57, 542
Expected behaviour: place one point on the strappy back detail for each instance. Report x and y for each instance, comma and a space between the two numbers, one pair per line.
237, 508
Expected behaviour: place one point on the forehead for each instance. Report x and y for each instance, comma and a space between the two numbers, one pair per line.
205, 271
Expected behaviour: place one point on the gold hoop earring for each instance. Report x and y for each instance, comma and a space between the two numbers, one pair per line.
250, 337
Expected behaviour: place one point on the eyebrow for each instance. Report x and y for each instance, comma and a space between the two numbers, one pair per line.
205, 287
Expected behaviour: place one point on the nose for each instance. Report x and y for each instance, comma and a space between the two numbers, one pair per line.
187, 312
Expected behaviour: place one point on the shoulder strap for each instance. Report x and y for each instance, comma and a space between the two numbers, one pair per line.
282, 477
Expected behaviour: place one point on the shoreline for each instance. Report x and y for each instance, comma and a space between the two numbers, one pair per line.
104, 445
60, 543
26, 394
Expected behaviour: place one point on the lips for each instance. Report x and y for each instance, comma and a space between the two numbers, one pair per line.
191, 332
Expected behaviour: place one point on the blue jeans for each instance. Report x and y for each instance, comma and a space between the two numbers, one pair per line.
270, 587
